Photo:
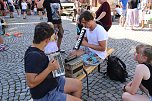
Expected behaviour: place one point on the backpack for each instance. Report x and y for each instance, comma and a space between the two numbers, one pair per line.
116, 69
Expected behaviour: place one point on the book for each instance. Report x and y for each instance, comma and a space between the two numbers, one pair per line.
60, 71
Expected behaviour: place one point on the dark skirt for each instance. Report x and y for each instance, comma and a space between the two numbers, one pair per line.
11, 8
16, 6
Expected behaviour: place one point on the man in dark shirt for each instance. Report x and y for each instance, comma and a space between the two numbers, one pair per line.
38, 69
103, 14
132, 4
54, 10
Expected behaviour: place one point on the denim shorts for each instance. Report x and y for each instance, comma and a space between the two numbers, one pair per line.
124, 13
90, 58
57, 94
23, 10
150, 98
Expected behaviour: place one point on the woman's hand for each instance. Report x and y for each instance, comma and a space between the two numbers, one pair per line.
124, 87
130, 83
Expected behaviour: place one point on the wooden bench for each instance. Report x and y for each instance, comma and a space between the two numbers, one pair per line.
66, 13
89, 69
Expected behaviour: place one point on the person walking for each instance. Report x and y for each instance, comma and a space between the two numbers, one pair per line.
11, 8
123, 5
24, 8
40, 8
54, 11
132, 19
75, 9
103, 14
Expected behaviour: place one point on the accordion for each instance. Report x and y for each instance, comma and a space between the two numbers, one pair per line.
60, 71
74, 68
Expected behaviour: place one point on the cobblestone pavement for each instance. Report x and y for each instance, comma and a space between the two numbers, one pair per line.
12, 76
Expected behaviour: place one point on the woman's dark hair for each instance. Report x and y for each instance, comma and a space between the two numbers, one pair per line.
86, 15
42, 32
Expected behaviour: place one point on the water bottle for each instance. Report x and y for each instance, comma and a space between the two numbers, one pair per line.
1, 30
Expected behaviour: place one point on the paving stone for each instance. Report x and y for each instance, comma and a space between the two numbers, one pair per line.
16, 98
101, 95
5, 90
10, 98
94, 96
4, 97
22, 96
113, 98
108, 95
105, 98
103, 91
96, 92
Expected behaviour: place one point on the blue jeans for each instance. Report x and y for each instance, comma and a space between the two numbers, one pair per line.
57, 94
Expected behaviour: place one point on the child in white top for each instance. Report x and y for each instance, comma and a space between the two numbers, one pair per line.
24, 8
52, 45
35, 10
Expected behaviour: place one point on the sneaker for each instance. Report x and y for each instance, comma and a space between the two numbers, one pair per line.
24, 17
41, 18
61, 51
2, 47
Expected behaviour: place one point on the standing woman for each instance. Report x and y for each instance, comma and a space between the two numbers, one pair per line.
2, 9
16, 4
142, 78
40, 9
75, 9
103, 14
11, 8
132, 14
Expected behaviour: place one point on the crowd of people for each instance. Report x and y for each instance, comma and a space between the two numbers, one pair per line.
133, 12
25, 7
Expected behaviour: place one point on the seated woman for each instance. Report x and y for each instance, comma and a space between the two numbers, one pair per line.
142, 78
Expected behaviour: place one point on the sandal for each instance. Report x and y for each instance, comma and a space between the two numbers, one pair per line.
17, 34
3, 47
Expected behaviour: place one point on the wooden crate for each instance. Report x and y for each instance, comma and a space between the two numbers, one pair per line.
74, 68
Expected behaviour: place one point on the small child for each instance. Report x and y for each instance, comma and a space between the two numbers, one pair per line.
52, 45
24, 8
35, 10
118, 11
